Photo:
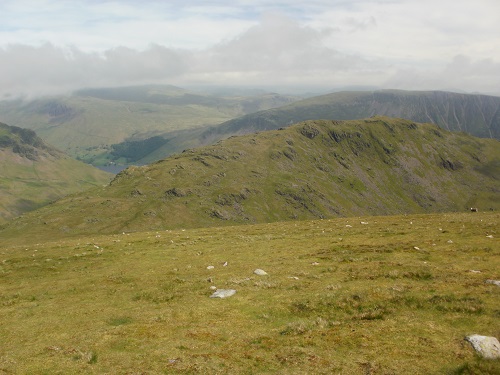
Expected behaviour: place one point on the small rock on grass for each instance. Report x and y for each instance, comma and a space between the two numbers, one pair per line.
260, 272
486, 346
495, 282
223, 293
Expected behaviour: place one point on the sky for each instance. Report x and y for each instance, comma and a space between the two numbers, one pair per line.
50, 47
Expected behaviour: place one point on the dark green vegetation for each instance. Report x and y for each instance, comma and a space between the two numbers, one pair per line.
359, 295
315, 169
33, 174
88, 123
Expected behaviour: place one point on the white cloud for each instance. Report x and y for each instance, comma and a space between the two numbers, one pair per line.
50, 46
47, 69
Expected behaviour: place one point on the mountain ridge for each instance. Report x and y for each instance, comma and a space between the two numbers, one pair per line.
350, 105
476, 114
315, 169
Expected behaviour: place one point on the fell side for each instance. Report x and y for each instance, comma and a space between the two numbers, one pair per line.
315, 169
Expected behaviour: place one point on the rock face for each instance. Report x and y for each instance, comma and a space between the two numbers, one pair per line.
223, 293
486, 346
24, 142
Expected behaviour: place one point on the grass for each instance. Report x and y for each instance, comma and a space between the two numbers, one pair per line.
396, 295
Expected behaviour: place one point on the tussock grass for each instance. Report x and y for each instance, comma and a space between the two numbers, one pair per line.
394, 296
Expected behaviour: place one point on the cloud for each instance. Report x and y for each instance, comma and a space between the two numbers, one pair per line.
277, 51
46, 70
55, 46
461, 73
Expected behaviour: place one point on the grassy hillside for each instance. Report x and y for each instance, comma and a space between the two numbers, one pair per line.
33, 174
87, 123
360, 295
315, 169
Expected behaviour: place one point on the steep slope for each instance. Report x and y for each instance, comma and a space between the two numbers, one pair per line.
478, 115
315, 169
32, 173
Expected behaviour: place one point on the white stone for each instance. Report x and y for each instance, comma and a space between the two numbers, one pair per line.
494, 282
486, 346
260, 272
223, 293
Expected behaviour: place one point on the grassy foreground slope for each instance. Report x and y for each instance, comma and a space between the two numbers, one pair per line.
316, 169
360, 295
33, 174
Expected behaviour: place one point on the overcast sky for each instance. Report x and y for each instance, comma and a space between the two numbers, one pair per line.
56, 46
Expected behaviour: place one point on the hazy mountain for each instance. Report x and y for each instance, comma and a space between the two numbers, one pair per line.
32, 173
478, 115
315, 169
88, 122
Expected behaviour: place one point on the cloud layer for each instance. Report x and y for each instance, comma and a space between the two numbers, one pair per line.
57, 46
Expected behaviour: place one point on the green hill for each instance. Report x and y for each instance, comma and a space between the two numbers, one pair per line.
315, 169
33, 174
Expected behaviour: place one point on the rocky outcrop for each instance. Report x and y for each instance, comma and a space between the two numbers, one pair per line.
23, 142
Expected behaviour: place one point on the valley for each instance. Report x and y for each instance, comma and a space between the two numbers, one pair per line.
373, 261
87, 123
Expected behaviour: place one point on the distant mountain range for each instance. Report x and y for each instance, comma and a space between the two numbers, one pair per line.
87, 123
139, 125
314, 169
478, 115
33, 173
